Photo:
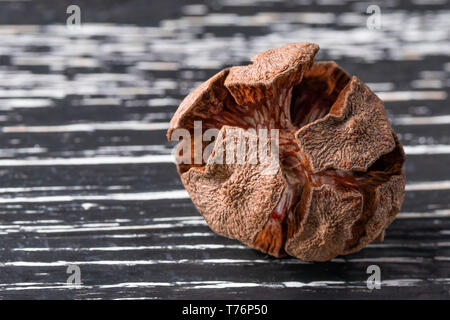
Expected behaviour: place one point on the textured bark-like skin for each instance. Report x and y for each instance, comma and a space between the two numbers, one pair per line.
354, 134
328, 214
208, 98
341, 162
388, 198
271, 70
218, 191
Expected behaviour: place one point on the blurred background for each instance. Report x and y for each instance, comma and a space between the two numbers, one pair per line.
86, 174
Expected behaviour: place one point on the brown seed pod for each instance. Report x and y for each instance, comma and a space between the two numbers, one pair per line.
340, 181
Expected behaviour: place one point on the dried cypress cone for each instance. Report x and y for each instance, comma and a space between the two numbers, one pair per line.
340, 182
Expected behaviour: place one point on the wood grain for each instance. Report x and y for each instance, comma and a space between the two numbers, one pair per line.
87, 177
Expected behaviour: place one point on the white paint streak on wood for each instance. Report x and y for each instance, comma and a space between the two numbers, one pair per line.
88, 127
223, 261
427, 149
431, 185
420, 121
58, 188
443, 213
139, 196
102, 160
220, 284
412, 95
136, 248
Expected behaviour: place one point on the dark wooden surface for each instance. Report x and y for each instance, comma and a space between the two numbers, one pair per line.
86, 175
